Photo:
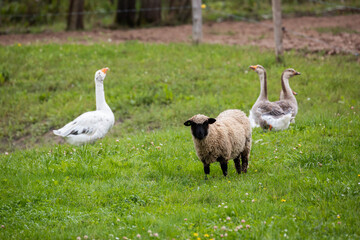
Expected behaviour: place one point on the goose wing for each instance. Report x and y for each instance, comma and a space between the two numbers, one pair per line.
84, 124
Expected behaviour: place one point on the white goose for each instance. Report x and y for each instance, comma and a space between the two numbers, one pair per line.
288, 101
266, 114
90, 126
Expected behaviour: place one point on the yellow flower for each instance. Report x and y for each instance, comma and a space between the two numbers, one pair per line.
255, 170
198, 239
195, 234
338, 216
358, 175
283, 200
206, 235
203, 6
19, 44
229, 182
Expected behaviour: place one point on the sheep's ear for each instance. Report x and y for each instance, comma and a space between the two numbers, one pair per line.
211, 120
187, 123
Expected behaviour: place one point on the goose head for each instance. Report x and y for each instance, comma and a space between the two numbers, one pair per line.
290, 72
100, 75
258, 69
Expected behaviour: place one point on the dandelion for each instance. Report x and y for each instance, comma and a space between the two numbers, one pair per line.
283, 200
203, 6
338, 216
198, 238
138, 236
206, 235
243, 220
229, 182
196, 234
228, 218
255, 170
19, 44
358, 174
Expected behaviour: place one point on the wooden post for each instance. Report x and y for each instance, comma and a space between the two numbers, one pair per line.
276, 10
197, 21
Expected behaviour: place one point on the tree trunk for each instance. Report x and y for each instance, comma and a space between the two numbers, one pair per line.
126, 12
150, 11
75, 19
276, 9
179, 11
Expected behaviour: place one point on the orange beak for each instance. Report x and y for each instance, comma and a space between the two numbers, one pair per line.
253, 67
104, 70
295, 93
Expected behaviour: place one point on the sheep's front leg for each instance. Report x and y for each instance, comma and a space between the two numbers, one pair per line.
206, 170
224, 165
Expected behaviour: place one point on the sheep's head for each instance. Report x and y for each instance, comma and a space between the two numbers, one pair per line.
199, 125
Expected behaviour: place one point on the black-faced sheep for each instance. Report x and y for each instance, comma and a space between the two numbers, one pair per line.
221, 139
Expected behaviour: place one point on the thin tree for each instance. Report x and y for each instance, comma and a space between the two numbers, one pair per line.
150, 11
126, 13
75, 18
179, 11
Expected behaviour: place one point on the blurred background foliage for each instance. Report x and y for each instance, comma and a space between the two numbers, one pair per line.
51, 15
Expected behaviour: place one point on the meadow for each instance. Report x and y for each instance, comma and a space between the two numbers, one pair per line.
144, 178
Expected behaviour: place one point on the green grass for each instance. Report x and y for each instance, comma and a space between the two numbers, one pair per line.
336, 30
144, 175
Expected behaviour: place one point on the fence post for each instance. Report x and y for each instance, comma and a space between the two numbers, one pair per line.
276, 10
197, 21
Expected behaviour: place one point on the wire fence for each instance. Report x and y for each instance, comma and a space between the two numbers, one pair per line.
211, 10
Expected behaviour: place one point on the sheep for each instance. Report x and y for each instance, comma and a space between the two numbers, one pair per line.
221, 139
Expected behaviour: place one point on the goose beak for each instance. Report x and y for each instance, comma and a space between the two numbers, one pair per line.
297, 73
253, 67
295, 93
104, 70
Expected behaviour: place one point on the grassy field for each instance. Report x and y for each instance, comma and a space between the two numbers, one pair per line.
144, 178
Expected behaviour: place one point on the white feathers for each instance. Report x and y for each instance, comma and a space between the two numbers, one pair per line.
90, 126
278, 123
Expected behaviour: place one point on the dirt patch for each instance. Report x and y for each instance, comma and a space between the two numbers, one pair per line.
300, 33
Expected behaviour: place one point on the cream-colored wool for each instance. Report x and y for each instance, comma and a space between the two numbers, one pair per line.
228, 137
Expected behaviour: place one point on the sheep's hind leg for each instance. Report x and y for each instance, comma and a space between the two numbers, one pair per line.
206, 170
237, 164
224, 165
244, 161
